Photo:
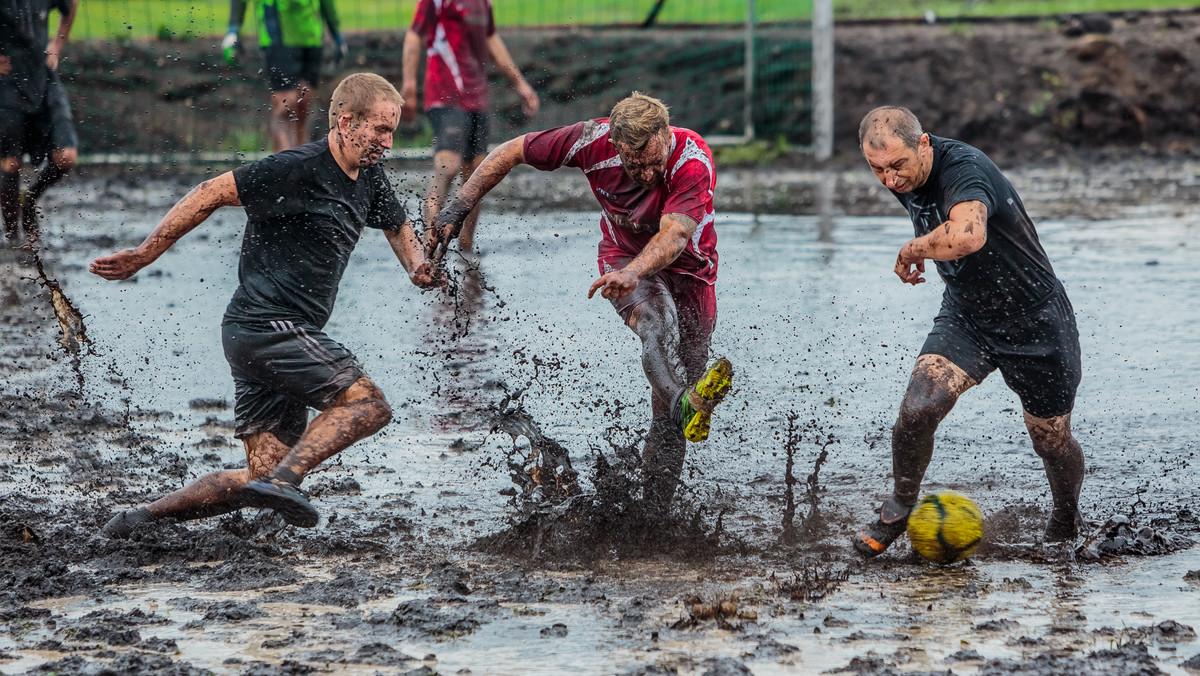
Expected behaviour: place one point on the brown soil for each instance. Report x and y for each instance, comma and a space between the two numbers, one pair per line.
1025, 91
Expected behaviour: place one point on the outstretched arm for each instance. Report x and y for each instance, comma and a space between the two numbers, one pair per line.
674, 231
963, 234
55, 48
411, 254
529, 98
192, 210
410, 64
449, 220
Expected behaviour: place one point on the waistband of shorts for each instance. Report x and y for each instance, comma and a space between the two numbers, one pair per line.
983, 320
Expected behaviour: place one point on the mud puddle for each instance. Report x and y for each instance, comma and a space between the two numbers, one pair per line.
817, 327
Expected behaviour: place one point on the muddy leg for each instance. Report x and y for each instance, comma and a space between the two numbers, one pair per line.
1062, 457
656, 323
358, 413
934, 388
283, 120
218, 493
60, 163
300, 113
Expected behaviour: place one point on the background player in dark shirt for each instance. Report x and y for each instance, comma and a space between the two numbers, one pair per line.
306, 209
35, 116
1003, 308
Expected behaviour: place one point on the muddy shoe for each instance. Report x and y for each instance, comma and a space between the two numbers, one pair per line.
892, 521
282, 497
1062, 526
697, 403
121, 526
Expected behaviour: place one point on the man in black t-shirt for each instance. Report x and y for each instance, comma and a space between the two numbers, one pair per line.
306, 209
1002, 308
35, 116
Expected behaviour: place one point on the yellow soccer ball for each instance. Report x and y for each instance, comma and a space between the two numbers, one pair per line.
945, 527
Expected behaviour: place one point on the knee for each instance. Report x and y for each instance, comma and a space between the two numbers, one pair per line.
10, 165
650, 319
448, 165
923, 413
380, 413
1049, 444
66, 158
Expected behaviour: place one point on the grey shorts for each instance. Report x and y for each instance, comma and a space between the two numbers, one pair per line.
280, 369
459, 132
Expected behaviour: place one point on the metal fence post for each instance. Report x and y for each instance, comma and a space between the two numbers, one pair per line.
748, 86
822, 75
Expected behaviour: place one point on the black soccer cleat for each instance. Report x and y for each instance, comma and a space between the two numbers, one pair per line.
121, 526
873, 539
284, 498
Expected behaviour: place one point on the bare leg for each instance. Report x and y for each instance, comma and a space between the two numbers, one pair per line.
1062, 457
218, 493
300, 113
358, 413
446, 165
61, 162
10, 193
466, 238
283, 119
933, 389
656, 324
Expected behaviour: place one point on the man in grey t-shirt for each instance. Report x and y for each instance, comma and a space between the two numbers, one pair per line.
306, 209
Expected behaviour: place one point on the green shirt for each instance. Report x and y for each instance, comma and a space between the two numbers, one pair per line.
289, 23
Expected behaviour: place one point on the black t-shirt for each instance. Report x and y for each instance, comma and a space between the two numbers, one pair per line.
305, 216
24, 35
1011, 274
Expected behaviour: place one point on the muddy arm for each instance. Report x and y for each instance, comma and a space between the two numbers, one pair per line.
674, 231
962, 235
408, 250
448, 223
192, 210
410, 64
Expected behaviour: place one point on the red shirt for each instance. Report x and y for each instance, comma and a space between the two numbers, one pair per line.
630, 213
456, 34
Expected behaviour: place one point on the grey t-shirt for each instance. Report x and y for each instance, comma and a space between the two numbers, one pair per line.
1011, 274
305, 216
24, 35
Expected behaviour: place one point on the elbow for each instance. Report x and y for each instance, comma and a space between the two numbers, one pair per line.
974, 242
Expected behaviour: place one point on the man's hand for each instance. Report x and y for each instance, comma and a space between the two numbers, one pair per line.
423, 276
616, 284
121, 265
5, 65
340, 51
231, 46
446, 226
408, 112
529, 100
910, 267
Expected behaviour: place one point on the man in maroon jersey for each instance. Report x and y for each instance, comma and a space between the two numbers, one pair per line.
458, 36
657, 258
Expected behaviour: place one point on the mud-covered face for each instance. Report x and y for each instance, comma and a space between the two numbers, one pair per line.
648, 165
367, 140
899, 167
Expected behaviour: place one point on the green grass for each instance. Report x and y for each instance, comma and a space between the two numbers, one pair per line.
128, 19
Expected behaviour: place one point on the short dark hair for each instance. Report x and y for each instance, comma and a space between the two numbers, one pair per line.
888, 121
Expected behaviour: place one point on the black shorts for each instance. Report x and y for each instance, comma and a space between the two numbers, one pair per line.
1037, 353
281, 369
287, 67
42, 132
459, 132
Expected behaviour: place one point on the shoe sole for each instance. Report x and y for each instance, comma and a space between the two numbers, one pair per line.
295, 512
713, 386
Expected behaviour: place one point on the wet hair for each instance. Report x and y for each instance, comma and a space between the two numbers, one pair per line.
357, 94
637, 118
887, 121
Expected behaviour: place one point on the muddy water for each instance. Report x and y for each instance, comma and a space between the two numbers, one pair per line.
816, 325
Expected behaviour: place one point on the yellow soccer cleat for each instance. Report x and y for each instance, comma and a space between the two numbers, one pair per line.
698, 402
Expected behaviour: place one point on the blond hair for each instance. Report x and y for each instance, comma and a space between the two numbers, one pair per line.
634, 120
357, 93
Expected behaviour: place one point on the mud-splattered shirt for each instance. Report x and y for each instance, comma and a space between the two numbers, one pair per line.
630, 213
455, 34
24, 36
1011, 274
305, 216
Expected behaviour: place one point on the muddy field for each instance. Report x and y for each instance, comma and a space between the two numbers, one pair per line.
430, 558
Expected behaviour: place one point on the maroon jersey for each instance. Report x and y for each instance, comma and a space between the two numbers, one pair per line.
630, 213
456, 34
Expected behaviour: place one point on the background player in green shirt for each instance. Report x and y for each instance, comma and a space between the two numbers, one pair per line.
289, 33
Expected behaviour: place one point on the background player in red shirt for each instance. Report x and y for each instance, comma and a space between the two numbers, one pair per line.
458, 36
657, 257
